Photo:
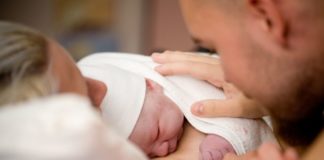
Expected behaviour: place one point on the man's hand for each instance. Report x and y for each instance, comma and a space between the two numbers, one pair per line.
267, 151
208, 68
203, 67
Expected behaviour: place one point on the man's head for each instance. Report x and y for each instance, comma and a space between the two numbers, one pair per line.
32, 65
272, 50
160, 123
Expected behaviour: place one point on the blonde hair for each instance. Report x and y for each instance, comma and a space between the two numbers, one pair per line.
24, 64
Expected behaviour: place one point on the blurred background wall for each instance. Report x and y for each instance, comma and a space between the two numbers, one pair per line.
167, 28
88, 26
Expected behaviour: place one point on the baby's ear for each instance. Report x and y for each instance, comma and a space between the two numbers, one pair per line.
151, 85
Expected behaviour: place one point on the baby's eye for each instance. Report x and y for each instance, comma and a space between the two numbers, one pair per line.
157, 133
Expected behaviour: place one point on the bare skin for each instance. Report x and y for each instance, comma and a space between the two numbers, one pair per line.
159, 126
316, 151
188, 148
266, 63
157, 136
97, 91
65, 71
161, 138
270, 52
189, 145
69, 78
214, 147
209, 69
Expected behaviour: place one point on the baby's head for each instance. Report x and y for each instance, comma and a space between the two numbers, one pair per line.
160, 124
137, 108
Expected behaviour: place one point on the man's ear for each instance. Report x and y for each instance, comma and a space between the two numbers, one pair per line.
269, 18
151, 85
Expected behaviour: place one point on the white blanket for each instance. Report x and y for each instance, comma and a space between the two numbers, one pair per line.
61, 127
243, 134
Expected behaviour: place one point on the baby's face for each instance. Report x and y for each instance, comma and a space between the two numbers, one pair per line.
160, 123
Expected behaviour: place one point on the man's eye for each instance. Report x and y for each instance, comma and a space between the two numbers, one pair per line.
205, 50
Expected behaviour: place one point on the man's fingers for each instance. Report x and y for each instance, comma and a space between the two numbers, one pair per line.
239, 106
217, 108
173, 56
230, 90
209, 69
203, 71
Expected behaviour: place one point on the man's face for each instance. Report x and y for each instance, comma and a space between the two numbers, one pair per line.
287, 80
160, 124
250, 58
212, 28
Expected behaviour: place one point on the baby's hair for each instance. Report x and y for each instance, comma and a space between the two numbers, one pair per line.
24, 64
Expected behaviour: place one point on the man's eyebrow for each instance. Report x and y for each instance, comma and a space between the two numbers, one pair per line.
196, 40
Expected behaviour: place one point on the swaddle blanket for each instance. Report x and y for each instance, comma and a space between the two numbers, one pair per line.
61, 127
243, 134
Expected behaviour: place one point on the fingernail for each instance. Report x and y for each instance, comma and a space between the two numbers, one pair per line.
198, 108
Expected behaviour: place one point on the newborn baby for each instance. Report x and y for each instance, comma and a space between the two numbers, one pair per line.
149, 109
160, 125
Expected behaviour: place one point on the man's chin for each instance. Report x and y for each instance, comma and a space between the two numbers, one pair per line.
298, 132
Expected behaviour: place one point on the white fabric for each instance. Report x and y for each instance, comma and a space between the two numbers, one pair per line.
126, 93
243, 134
61, 127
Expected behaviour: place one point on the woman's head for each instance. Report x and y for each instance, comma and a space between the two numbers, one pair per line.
23, 64
31, 65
